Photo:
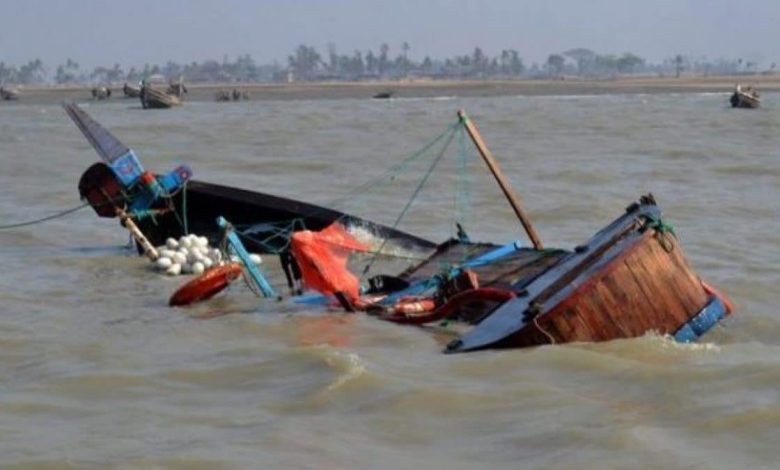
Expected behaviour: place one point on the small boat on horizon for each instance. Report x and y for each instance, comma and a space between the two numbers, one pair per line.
9, 94
745, 97
154, 98
131, 91
101, 93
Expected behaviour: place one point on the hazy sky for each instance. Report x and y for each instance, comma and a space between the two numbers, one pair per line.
134, 32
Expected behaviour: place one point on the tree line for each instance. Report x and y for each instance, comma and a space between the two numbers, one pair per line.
306, 63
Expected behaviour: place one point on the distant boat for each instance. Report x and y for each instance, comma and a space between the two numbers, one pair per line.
235, 95
155, 98
383, 95
177, 88
746, 97
7, 94
101, 93
131, 91
152, 98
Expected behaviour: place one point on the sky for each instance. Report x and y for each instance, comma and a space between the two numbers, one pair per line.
135, 32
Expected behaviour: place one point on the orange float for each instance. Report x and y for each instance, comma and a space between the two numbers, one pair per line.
207, 285
420, 316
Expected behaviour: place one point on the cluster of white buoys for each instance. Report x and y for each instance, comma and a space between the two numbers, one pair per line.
190, 254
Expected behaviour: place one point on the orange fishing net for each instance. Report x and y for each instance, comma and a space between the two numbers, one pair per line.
322, 257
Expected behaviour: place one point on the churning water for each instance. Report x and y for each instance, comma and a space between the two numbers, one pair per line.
97, 372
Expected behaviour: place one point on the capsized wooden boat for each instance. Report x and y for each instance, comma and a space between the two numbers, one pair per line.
745, 97
629, 279
172, 204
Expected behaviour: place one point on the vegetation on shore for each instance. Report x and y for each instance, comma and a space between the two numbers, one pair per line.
305, 63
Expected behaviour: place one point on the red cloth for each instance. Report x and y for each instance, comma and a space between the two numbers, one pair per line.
322, 257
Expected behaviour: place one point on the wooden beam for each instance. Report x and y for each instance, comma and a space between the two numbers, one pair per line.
513, 199
150, 251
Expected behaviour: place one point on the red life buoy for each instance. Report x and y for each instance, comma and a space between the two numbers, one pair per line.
413, 306
207, 285
452, 306
712, 291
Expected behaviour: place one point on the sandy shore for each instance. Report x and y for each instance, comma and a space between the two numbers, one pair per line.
429, 88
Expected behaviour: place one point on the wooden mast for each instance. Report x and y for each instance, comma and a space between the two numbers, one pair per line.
513, 199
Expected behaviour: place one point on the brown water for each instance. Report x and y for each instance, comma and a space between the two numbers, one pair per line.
97, 372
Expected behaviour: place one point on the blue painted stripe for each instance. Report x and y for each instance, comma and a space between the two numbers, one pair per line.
313, 298
702, 322
425, 285
493, 255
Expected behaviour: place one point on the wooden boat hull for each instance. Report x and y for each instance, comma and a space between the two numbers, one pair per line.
194, 208
630, 279
744, 100
152, 98
267, 219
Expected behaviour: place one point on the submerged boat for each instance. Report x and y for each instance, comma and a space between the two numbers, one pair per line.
173, 204
746, 97
631, 278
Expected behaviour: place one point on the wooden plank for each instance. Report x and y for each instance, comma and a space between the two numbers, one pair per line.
668, 315
630, 296
677, 280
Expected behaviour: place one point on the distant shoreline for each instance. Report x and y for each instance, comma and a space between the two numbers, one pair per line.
432, 88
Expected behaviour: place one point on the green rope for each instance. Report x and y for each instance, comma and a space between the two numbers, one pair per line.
662, 229
415, 193
390, 174
44, 219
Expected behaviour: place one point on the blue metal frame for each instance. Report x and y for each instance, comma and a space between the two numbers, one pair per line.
243, 255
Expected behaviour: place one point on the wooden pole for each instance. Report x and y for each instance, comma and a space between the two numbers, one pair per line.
513, 199
150, 251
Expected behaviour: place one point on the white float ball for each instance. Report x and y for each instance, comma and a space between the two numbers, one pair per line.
164, 252
203, 242
186, 268
255, 258
173, 270
179, 257
198, 267
172, 243
163, 263
207, 262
